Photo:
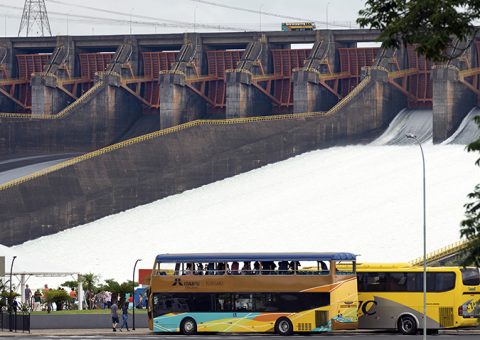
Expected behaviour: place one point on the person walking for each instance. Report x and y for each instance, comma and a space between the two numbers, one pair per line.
37, 300
28, 296
114, 315
124, 316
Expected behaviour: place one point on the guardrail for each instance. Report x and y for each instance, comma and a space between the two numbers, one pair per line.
442, 252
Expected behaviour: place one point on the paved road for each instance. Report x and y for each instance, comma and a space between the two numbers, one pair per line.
11, 169
141, 334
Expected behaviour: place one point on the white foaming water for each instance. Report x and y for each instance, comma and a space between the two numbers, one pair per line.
468, 130
361, 199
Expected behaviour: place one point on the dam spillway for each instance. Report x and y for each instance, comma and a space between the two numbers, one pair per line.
155, 115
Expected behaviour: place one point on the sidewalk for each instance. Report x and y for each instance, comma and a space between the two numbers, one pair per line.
75, 332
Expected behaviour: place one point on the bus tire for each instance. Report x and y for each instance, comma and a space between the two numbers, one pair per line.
283, 326
407, 325
188, 326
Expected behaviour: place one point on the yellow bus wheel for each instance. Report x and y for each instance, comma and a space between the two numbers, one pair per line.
283, 326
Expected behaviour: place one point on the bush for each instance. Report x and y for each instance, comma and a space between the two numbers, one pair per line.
59, 296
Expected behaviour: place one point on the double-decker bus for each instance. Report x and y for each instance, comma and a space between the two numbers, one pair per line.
253, 292
298, 26
391, 297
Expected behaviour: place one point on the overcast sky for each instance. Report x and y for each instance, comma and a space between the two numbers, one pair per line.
150, 16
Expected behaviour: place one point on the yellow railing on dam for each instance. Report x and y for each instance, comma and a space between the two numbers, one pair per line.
442, 252
181, 127
66, 111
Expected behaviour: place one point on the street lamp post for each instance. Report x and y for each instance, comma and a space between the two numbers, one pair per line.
133, 294
412, 136
11, 295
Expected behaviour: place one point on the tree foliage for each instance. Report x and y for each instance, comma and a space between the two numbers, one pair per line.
59, 296
428, 24
119, 290
470, 226
90, 282
70, 284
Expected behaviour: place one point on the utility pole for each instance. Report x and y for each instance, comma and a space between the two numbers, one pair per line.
34, 14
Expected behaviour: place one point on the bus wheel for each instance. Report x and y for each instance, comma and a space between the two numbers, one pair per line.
407, 325
188, 326
283, 326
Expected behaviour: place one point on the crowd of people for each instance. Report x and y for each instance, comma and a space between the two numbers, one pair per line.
233, 268
37, 300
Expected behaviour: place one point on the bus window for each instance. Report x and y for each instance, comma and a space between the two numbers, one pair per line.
397, 282
264, 302
470, 276
224, 303
243, 302
443, 281
376, 282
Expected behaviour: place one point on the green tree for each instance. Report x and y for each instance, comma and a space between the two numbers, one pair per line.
430, 24
90, 282
70, 284
470, 226
59, 296
118, 290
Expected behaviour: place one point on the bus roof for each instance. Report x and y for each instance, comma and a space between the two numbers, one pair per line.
230, 257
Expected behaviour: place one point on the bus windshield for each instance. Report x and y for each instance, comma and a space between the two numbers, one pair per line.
470, 276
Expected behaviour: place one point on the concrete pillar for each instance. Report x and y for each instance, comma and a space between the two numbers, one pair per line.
179, 103
196, 56
47, 98
309, 95
22, 288
67, 45
134, 59
244, 99
7, 61
452, 100
80, 292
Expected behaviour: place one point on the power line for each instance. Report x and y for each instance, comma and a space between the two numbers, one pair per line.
156, 19
242, 9
103, 20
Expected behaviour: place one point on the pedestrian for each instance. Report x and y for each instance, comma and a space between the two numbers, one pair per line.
45, 296
37, 300
124, 316
28, 296
114, 315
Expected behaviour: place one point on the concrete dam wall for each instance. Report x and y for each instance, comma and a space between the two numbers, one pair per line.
99, 118
170, 161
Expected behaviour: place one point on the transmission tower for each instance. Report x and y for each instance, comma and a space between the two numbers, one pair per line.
34, 15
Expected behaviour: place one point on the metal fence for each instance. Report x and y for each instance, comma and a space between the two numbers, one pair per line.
14, 322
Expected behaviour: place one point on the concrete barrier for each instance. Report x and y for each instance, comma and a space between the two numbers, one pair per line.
82, 321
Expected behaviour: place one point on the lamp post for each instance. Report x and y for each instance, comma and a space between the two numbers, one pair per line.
412, 136
11, 295
133, 294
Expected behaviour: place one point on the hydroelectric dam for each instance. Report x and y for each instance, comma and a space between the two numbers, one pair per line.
132, 119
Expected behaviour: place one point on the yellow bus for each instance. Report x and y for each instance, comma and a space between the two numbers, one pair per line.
391, 297
298, 26
253, 292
